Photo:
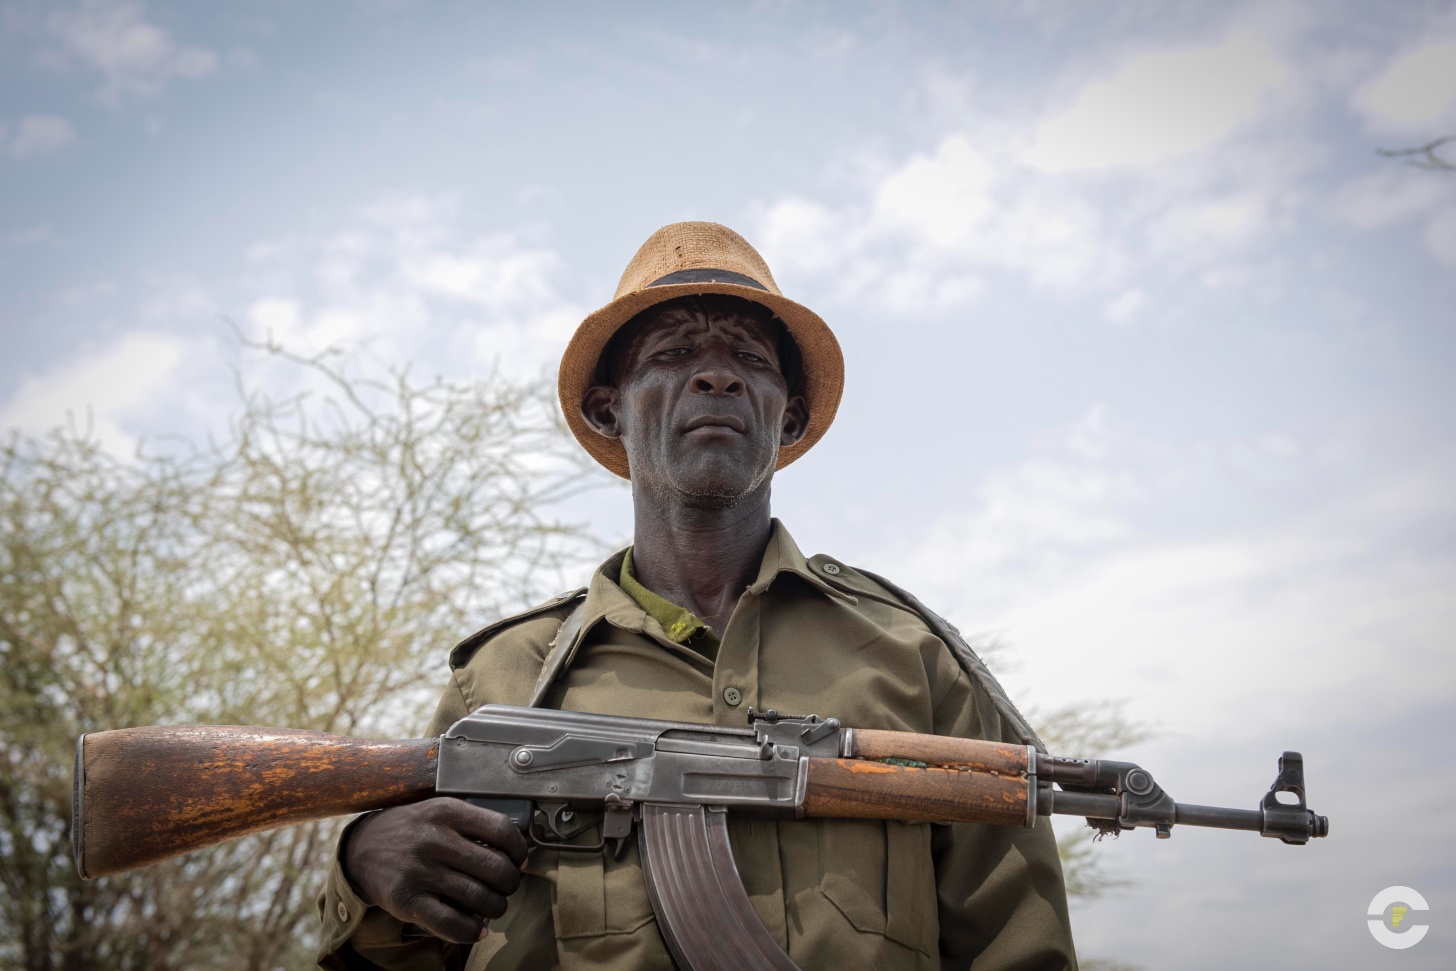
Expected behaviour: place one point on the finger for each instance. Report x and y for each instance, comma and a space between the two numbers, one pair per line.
467, 894
442, 919
491, 828
483, 863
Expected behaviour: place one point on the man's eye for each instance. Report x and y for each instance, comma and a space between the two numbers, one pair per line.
671, 352
751, 357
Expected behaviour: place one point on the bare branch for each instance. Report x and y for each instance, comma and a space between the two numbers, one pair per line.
1425, 156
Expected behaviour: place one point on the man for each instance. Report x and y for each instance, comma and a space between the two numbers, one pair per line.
697, 382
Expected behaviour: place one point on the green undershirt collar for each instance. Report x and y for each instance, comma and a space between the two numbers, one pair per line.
679, 624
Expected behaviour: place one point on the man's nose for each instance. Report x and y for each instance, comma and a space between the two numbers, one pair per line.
718, 381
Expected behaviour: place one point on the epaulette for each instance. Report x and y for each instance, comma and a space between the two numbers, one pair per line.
461, 652
844, 577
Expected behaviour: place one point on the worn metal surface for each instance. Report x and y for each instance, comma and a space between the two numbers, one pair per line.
581, 759
1118, 796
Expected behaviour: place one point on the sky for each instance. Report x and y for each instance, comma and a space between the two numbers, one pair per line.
1149, 351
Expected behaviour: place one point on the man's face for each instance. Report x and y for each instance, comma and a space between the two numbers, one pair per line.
700, 404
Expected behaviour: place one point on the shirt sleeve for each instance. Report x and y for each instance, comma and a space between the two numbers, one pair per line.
1001, 897
357, 937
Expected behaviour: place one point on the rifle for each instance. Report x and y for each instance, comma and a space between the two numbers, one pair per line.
143, 795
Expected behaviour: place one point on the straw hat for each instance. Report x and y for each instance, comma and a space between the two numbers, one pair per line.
687, 259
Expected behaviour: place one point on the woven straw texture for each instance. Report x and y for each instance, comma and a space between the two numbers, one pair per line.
698, 246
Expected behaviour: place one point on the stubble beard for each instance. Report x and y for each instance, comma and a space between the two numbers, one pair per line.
711, 489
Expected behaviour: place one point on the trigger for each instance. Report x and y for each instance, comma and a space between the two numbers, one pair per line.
566, 824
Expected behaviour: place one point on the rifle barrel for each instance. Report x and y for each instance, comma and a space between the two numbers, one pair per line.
1219, 818
1097, 805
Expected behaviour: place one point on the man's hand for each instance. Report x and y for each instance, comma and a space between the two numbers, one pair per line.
442, 864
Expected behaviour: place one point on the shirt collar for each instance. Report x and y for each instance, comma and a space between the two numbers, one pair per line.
783, 556
606, 600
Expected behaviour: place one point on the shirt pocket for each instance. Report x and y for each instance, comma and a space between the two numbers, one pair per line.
594, 895
881, 877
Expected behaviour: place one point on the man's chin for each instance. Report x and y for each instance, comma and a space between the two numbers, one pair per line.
698, 500
718, 483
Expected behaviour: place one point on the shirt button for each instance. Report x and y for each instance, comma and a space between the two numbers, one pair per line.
831, 568
343, 912
732, 695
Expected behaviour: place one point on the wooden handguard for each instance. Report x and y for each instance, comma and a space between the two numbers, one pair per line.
858, 789
146, 794
961, 753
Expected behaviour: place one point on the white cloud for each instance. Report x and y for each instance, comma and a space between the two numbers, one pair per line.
1210, 222
36, 135
492, 272
98, 389
1128, 305
1004, 192
1416, 93
945, 199
179, 301
1162, 104
1229, 276
960, 205
803, 235
1392, 196
411, 282
1403, 195
929, 226
1335, 602
1027, 524
406, 283
1440, 237
276, 319
134, 56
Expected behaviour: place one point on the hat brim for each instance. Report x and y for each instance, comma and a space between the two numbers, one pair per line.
823, 363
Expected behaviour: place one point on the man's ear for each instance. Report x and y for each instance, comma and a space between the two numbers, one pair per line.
796, 421
599, 408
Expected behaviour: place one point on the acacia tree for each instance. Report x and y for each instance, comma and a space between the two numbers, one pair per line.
309, 569
1087, 730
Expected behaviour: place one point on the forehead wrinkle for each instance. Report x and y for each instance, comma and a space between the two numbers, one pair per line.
681, 321
751, 323
741, 326
677, 321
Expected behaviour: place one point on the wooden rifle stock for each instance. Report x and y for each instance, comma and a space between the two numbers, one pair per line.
145, 794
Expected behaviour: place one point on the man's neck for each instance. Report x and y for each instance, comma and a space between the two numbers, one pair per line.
700, 559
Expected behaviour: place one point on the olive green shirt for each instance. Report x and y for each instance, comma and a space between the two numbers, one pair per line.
808, 635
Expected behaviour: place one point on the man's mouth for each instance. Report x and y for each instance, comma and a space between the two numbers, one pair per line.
716, 421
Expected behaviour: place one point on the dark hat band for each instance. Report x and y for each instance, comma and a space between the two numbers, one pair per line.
704, 275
